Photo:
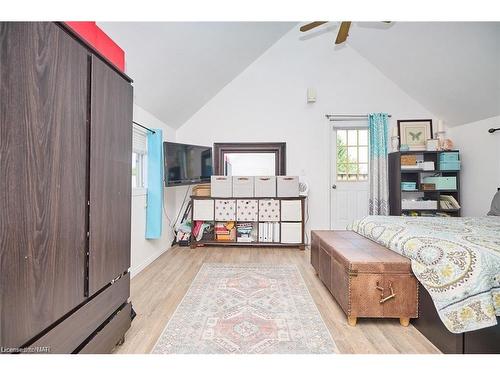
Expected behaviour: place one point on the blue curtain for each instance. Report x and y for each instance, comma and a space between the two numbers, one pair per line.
155, 185
379, 181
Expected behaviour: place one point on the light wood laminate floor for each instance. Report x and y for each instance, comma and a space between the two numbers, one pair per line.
158, 289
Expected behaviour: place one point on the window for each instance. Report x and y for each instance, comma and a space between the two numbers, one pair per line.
139, 159
352, 154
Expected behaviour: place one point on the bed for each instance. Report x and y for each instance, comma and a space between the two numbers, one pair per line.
457, 261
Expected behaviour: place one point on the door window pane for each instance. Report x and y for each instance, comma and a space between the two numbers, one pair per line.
363, 172
363, 137
352, 137
363, 154
352, 154
342, 136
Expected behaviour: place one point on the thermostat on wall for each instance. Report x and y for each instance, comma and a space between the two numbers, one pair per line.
311, 95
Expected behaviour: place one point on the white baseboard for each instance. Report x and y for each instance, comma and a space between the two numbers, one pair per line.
135, 270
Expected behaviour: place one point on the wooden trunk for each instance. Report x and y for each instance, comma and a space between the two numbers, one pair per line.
366, 279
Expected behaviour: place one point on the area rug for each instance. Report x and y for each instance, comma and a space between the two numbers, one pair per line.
246, 309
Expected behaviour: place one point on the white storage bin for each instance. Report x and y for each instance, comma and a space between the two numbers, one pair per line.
291, 233
407, 204
203, 209
265, 186
243, 186
247, 210
287, 186
269, 210
225, 210
221, 186
291, 210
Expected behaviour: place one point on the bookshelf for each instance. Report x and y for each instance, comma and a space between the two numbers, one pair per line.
397, 174
298, 225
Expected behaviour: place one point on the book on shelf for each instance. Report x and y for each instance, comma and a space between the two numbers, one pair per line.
225, 231
269, 232
448, 202
246, 232
411, 167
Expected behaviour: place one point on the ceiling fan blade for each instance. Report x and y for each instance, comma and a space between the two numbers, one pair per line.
312, 25
343, 32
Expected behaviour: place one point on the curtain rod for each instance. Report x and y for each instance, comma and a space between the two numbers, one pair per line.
142, 126
492, 130
347, 117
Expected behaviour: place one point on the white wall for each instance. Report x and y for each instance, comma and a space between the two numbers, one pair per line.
145, 251
480, 154
267, 103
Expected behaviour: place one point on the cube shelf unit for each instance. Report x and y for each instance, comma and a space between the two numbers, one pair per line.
397, 175
214, 242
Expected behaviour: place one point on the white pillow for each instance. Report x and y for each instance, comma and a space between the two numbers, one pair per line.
495, 205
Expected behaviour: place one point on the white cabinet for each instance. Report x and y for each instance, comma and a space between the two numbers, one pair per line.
265, 221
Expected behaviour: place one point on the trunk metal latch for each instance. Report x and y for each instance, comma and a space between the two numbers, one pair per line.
390, 296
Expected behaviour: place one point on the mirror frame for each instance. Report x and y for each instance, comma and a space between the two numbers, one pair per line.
279, 150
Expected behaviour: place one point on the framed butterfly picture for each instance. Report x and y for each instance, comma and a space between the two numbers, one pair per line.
414, 133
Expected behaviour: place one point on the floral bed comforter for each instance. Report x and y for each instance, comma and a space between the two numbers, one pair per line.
456, 259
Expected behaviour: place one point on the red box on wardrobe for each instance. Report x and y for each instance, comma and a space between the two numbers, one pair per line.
98, 39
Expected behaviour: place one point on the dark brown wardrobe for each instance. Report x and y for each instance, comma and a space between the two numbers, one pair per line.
65, 190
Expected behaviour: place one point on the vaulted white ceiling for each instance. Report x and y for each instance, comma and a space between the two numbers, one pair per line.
451, 68
178, 66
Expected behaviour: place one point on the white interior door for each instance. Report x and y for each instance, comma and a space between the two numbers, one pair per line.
349, 174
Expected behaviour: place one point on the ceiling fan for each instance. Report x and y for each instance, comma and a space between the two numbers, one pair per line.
341, 35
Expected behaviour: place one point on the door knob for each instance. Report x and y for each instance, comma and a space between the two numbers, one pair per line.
334, 186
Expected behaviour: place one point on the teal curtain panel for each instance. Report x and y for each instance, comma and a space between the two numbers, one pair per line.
379, 181
155, 185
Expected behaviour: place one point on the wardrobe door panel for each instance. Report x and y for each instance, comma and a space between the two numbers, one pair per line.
43, 155
110, 175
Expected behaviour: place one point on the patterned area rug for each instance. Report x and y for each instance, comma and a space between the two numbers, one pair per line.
246, 309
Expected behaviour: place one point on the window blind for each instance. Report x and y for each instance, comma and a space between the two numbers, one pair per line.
139, 140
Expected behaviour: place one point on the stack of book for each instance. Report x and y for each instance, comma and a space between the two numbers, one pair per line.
245, 232
225, 231
269, 232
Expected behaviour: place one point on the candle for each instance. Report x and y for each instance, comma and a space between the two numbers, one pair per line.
394, 131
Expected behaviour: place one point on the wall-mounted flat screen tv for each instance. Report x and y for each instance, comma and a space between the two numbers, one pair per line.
186, 164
